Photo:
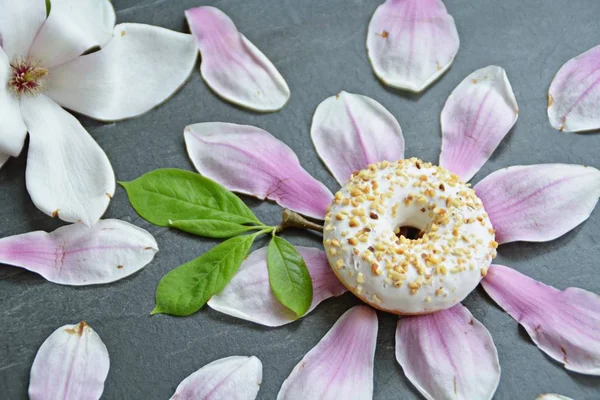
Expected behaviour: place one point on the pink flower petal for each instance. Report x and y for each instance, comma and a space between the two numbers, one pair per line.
537, 203
12, 127
340, 366
232, 66
19, 23
248, 296
563, 324
574, 95
68, 175
71, 364
351, 131
73, 27
448, 355
476, 117
411, 43
141, 67
78, 255
230, 378
250, 160
552, 396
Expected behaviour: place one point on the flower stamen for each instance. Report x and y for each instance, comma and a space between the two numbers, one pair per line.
27, 77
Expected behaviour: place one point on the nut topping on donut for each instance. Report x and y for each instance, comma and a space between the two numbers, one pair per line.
365, 242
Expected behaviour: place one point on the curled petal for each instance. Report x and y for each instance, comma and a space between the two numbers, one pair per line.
68, 175
537, 203
552, 396
574, 94
78, 255
3, 159
12, 127
248, 296
411, 43
563, 324
476, 117
448, 355
351, 131
250, 160
71, 364
73, 27
230, 378
340, 366
137, 70
19, 23
232, 66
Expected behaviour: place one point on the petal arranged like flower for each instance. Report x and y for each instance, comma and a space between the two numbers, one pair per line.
249, 160
78, 255
574, 94
477, 115
351, 131
68, 175
232, 66
73, 27
71, 364
563, 324
411, 43
448, 355
340, 366
537, 203
230, 378
552, 396
19, 23
12, 127
248, 296
138, 69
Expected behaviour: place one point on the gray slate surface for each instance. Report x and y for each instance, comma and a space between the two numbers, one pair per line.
319, 46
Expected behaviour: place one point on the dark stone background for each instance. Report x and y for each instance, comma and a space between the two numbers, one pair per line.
319, 47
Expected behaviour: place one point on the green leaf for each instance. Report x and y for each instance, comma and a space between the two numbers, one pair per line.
182, 198
184, 290
48, 7
212, 228
288, 276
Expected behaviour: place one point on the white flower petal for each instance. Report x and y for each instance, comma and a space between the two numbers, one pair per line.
138, 69
68, 175
230, 378
78, 255
552, 396
73, 27
411, 43
249, 296
20, 21
12, 127
351, 131
71, 364
3, 159
232, 66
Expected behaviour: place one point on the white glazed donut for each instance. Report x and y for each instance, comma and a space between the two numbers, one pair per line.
397, 274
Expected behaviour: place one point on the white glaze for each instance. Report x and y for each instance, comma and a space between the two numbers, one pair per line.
397, 274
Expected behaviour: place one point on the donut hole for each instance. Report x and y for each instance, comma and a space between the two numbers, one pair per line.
409, 232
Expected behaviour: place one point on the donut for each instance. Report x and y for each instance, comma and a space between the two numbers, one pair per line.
366, 228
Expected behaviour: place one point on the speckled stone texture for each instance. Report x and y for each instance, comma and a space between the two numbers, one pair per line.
319, 47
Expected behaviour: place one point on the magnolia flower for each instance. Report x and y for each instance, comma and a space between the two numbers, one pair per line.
447, 354
44, 65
